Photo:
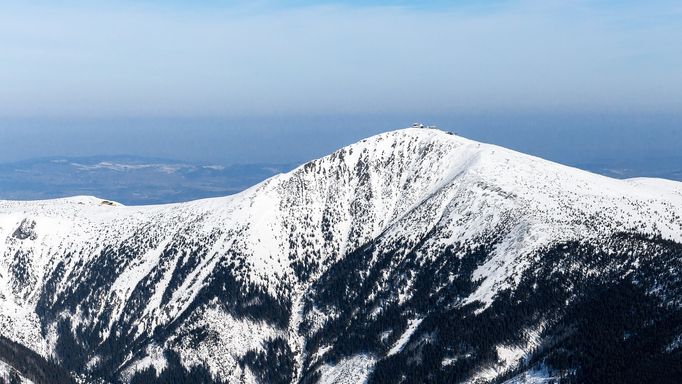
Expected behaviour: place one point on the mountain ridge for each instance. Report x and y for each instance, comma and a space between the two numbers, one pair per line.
123, 286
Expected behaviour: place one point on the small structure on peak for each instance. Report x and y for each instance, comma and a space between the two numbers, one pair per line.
107, 203
421, 125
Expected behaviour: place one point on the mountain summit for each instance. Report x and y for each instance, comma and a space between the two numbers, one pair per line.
411, 256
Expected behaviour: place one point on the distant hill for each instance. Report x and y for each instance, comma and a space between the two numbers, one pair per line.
664, 167
129, 180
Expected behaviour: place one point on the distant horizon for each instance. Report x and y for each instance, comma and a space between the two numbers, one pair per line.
612, 167
565, 137
141, 179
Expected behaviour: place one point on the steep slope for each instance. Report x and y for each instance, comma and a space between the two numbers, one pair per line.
351, 267
19, 364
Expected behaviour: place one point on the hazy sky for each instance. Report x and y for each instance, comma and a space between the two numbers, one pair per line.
243, 81
226, 58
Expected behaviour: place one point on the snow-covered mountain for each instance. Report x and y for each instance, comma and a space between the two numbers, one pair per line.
411, 256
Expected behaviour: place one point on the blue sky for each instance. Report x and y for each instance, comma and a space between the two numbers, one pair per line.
349, 68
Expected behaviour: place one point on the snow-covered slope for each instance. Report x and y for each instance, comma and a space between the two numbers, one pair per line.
224, 282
